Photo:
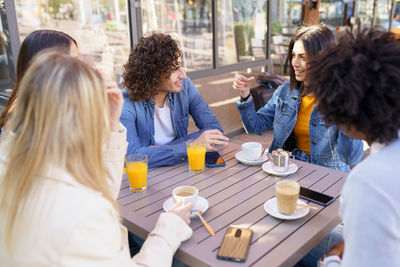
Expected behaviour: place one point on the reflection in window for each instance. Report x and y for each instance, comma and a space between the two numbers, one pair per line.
285, 18
189, 22
331, 13
396, 17
382, 13
100, 27
7, 72
242, 30
4, 68
370, 15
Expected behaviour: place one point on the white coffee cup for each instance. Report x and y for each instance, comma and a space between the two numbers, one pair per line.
251, 150
185, 194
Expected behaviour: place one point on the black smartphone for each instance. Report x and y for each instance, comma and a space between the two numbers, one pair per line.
214, 159
235, 245
315, 196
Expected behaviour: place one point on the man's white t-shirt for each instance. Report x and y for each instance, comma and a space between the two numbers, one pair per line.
164, 131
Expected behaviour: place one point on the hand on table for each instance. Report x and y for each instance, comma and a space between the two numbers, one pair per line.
182, 210
242, 84
212, 138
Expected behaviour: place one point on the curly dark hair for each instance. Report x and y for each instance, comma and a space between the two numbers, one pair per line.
153, 58
314, 38
357, 84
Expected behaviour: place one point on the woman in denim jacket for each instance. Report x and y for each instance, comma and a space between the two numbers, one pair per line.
297, 125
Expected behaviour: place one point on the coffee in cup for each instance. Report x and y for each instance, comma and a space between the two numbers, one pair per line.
185, 194
287, 193
251, 150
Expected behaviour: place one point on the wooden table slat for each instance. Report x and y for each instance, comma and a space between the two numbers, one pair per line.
236, 194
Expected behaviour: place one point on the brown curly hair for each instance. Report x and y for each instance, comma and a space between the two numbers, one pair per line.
153, 58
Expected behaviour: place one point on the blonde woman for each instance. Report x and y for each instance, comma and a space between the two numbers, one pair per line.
61, 164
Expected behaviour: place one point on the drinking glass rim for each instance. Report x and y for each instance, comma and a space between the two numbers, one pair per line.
140, 157
291, 182
195, 142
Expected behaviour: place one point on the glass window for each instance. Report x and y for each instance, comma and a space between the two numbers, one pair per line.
7, 72
396, 17
285, 17
189, 22
331, 13
100, 27
242, 31
382, 13
376, 12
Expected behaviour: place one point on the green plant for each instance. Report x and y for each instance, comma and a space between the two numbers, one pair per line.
276, 27
243, 35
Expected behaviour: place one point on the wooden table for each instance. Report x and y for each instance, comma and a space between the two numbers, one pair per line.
236, 194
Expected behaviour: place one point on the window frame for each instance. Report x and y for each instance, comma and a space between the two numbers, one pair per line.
136, 19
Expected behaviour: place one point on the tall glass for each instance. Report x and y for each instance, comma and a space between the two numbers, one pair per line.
136, 167
196, 152
287, 193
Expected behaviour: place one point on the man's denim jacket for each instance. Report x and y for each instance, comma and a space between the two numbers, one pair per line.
329, 146
138, 118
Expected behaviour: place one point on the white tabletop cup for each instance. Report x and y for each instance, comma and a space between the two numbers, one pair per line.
252, 150
185, 194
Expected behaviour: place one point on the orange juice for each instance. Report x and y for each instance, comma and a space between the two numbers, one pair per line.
137, 173
196, 156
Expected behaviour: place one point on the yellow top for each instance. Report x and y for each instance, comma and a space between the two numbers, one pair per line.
301, 129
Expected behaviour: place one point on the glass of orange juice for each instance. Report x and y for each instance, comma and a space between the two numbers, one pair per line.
196, 152
136, 168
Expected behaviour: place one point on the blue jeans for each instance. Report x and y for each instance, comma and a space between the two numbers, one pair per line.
135, 243
311, 259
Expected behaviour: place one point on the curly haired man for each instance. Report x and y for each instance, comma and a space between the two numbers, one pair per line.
357, 84
158, 100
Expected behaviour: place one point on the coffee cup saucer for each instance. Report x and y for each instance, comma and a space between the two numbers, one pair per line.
201, 204
267, 167
271, 207
240, 157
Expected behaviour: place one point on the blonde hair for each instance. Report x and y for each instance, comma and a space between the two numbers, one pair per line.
61, 119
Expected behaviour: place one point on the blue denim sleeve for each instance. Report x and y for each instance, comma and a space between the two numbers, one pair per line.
158, 156
262, 120
350, 150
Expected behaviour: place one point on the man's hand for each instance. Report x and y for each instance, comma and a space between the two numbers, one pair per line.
182, 210
212, 138
242, 84
336, 250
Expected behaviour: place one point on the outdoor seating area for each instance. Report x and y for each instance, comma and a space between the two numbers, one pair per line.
199, 133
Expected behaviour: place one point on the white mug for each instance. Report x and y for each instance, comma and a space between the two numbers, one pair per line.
185, 194
252, 150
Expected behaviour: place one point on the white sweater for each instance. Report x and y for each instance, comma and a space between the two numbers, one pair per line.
68, 224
